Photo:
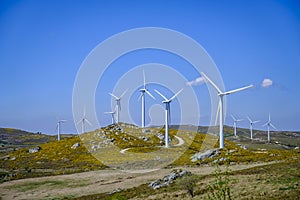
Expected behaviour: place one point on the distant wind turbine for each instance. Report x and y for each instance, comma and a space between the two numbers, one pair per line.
251, 127
59, 128
268, 124
83, 120
167, 114
220, 108
112, 113
118, 101
143, 91
234, 123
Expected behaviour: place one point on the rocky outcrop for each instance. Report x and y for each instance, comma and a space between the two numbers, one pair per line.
169, 178
207, 154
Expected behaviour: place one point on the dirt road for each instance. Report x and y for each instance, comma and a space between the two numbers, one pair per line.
86, 183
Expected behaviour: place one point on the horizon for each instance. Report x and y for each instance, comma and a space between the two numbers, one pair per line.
44, 45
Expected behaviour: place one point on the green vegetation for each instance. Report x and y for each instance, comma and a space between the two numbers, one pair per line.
220, 187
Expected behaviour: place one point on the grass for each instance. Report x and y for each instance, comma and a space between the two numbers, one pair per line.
36, 185
265, 182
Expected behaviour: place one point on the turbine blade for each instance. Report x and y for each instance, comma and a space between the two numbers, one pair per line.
140, 96
169, 114
269, 117
111, 94
161, 95
88, 122
84, 112
249, 119
237, 90
144, 79
273, 126
217, 114
234, 119
123, 93
265, 124
79, 121
212, 83
255, 122
119, 104
173, 97
150, 94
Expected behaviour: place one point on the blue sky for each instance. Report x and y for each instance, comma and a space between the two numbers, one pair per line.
43, 44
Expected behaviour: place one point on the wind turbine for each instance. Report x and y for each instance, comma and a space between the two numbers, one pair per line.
220, 108
143, 91
118, 101
112, 115
268, 124
83, 120
58, 127
251, 127
167, 114
234, 123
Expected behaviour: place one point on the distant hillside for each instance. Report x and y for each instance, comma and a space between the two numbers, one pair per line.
14, 139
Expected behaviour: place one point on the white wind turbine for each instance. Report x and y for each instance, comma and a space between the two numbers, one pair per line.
167, 114
59, 122
83, 120
251, 127
112, 113
143, 91
220, 108
268, 124
118, 104
234, 123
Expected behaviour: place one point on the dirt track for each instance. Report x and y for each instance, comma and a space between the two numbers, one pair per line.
80, 184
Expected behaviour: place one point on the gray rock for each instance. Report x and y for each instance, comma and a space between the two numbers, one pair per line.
144, 138
168, 179
207, 154
13, 158
76, 145
161, 136
34, 150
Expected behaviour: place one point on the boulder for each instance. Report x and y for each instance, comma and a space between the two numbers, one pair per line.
76, 145
207, 154
166, 180
34, 150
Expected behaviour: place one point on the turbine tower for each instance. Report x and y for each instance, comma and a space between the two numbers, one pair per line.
83, 120
251, 127
268, 124
112, 115
167, 114
118, 104
234, 123
143, 91
58, 128
220, 108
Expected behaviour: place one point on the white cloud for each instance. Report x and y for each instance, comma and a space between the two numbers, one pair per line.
266, 83
197, 81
